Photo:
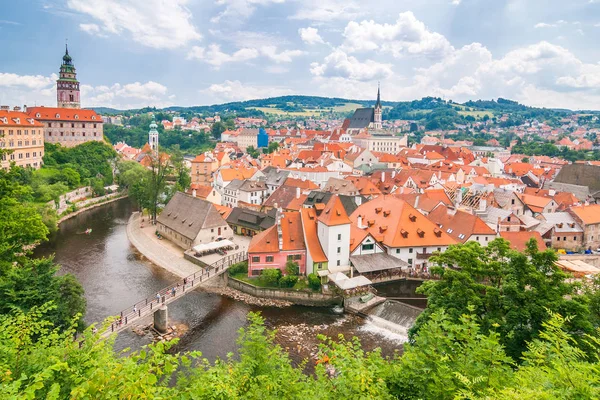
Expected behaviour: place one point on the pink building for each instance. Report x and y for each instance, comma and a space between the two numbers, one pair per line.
281, 243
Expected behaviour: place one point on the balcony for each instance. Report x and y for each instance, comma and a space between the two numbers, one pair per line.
424, 256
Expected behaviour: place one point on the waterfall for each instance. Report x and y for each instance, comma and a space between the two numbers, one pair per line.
393, 319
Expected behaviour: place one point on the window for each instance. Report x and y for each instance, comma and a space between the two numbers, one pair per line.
565, 238
338, 263
290, 258
558, 238
449, 230
298, 257
212, 230
269, 259
367, 247
398, 251
339, 250
410, 261
486, 238
461, 236
410, 250
339, 236
256, 272
439, 249
512, 201
575, 238
255, 259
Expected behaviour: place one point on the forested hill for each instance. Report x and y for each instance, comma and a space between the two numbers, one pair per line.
314, 105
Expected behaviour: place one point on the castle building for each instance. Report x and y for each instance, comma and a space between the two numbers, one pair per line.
23, 137
68, 124
67, 85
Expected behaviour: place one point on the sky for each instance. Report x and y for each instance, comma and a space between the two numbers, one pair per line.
136, 53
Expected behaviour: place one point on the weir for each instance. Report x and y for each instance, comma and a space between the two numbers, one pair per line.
394, 316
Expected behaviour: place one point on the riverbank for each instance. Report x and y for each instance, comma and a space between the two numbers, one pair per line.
160, 252
99, 201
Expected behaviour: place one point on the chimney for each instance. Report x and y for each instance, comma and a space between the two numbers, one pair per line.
482, 205
383, 176
297, 192
358, 200
393, 174
16, 108
194, 193
5, 108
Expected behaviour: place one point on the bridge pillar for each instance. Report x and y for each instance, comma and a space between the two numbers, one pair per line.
161, 319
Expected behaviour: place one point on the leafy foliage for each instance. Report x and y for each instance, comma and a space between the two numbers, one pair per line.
513, 291
288, 281
271, 276
314, 282
239, 268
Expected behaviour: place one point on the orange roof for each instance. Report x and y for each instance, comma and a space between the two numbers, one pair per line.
397, 224
334, 213
364, 185
64, 114
357, 236
19, 119
535, 203
297, 203
229, 174
589, 214
201, 190
223, 210
291, 233
309, 222
461, 225
302, 184
518, 240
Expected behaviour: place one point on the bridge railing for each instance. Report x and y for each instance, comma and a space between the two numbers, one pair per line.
173, 291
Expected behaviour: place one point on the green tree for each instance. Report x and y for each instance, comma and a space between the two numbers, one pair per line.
271, 276
217, 129
515, 291
292, 268
251, 150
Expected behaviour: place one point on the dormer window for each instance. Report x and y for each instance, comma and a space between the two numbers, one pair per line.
76, 116
57, 115
93, 117
37, 115
420, 232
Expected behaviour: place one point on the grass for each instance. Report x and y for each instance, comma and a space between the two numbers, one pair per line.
477, 114
302, 283
347, 107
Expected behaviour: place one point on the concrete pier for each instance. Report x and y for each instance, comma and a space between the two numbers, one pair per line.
161, 319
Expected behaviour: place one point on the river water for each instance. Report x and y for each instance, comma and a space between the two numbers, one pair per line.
114, 277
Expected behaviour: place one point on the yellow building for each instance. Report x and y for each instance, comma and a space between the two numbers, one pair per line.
23, 137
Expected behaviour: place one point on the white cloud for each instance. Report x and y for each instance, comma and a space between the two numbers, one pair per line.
407, 36
326, 10
215, 57
284, 56
240, 9
340, 64
310, 35
154, 23
456, 2
237, 91
37, 82
92, 29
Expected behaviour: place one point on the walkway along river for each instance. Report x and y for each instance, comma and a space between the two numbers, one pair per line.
114, 277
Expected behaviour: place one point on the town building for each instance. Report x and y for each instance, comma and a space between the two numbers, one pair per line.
188, 221
364, 118
68, 124
246, 138
560, 231
588, 217
380, 141
246, 222
22, 137
281, 243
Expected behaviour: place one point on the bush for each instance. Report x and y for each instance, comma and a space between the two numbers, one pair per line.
292, 268
241, 267
271, 277
288, 281
314, 282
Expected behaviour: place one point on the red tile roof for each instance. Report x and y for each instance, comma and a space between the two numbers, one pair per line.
64, 114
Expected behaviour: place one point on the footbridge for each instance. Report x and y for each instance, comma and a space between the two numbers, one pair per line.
169, 294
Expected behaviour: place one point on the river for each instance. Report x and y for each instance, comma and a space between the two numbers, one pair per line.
114, 277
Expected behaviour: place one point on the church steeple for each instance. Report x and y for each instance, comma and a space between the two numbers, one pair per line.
377, 112
67, 85
153, 136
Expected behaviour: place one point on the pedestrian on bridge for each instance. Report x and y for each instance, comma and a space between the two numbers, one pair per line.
158, 297
173, 291
134, 309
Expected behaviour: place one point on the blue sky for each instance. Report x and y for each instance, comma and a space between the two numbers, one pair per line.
133, 53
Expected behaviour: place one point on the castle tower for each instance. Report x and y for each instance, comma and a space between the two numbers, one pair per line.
377, 120
153, 136
67, 85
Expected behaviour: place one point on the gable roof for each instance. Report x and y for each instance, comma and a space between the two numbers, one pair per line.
518, 240
334, 213
461, 225
251, 219
589, 214
397, 224
291, 233
64, 114
362, 118
313, 245
187, 215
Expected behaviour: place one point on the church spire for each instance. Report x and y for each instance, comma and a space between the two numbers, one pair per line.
67, 85
378, 104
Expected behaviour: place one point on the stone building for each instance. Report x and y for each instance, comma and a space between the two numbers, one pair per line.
23, 137
68, 124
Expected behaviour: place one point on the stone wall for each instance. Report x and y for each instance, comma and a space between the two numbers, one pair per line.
591, 259
293, 296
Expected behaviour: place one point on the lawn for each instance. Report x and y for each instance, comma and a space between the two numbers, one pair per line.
302, 283
347, 107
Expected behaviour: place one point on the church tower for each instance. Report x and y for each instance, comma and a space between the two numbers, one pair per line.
377, 120
67, 85
153, 136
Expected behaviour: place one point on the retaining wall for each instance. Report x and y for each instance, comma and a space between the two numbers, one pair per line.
293, 296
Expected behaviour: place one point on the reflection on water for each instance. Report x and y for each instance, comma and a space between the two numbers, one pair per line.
114, 277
